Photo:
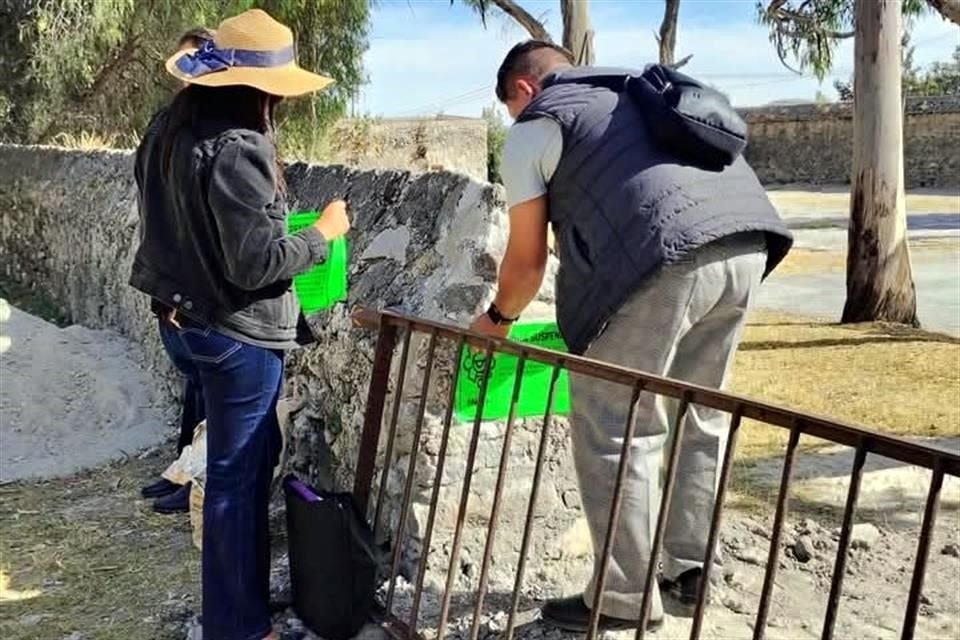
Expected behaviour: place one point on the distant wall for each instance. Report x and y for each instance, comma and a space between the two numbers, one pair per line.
427, 144
814, 144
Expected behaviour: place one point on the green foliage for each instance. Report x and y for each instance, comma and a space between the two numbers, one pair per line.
939, 79
96, 66
496, 135
331, 38
807, 31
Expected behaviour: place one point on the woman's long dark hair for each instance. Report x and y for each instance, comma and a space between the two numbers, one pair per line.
240, 106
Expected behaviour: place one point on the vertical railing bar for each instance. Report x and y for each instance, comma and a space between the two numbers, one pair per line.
438, 478
373, 416
392, 432
465, 495
614, 517
843, 546
716, 521
411, 471
532, 505
648, 583
773, 557
497, 496
923, 551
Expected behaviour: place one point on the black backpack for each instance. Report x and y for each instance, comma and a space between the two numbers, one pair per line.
686, 119
333, 560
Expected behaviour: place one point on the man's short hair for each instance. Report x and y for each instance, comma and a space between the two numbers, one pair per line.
531, 58
196, 37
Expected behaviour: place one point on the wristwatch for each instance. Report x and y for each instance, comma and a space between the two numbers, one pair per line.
497, 318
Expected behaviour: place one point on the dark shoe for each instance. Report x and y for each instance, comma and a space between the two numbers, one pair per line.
177, 502
159, 489
685, 588
572, 614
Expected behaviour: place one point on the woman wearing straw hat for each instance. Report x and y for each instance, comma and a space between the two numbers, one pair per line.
170, 497
230, 308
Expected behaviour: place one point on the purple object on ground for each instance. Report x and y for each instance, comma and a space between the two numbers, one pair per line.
301, 490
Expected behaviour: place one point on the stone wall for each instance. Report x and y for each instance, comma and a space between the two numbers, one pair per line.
427, 244
418, 144
813, 144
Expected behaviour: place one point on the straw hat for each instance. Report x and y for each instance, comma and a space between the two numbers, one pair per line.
250, 49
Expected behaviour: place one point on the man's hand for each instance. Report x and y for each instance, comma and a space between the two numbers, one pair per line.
485, 326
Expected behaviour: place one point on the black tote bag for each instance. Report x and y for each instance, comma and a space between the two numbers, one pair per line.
333, 560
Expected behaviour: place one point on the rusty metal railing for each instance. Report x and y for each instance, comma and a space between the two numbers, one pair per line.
863, 441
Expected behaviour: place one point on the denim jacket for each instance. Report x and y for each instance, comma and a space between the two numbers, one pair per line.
213, 240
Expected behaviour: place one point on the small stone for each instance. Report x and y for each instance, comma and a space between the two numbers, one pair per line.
571, 499
76, 635
758, 530
864, 536
499, 621
924, 600
951, 550
808, 526
804, 550
734, 603
750, 556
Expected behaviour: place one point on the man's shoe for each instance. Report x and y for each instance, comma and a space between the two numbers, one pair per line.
684, 589
572, 614
177, 502
159, 489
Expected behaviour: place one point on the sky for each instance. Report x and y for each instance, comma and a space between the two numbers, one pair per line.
428, 57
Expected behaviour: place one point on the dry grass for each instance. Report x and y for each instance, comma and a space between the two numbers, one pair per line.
837, 199
812, 261
896, 380
922, 250
87, 140
87, 555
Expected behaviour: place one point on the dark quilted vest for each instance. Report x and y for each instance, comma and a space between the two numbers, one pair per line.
621, 208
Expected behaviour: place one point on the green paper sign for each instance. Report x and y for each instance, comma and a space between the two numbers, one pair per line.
534, 386
323, 285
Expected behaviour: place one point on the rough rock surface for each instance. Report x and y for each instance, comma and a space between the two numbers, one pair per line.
427, 245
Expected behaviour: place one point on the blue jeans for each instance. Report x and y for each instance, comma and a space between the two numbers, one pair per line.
241, 385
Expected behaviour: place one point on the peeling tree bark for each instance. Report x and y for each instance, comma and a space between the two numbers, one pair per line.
668, 31
879, 276
577, 35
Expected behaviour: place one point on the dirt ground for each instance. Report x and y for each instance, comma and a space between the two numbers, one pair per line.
83, 557
71, 398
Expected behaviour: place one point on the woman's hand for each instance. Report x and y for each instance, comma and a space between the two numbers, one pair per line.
333, 222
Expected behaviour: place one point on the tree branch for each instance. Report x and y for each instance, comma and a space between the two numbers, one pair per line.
834, 35
949, 9
524, 18
681, 62
667, 38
